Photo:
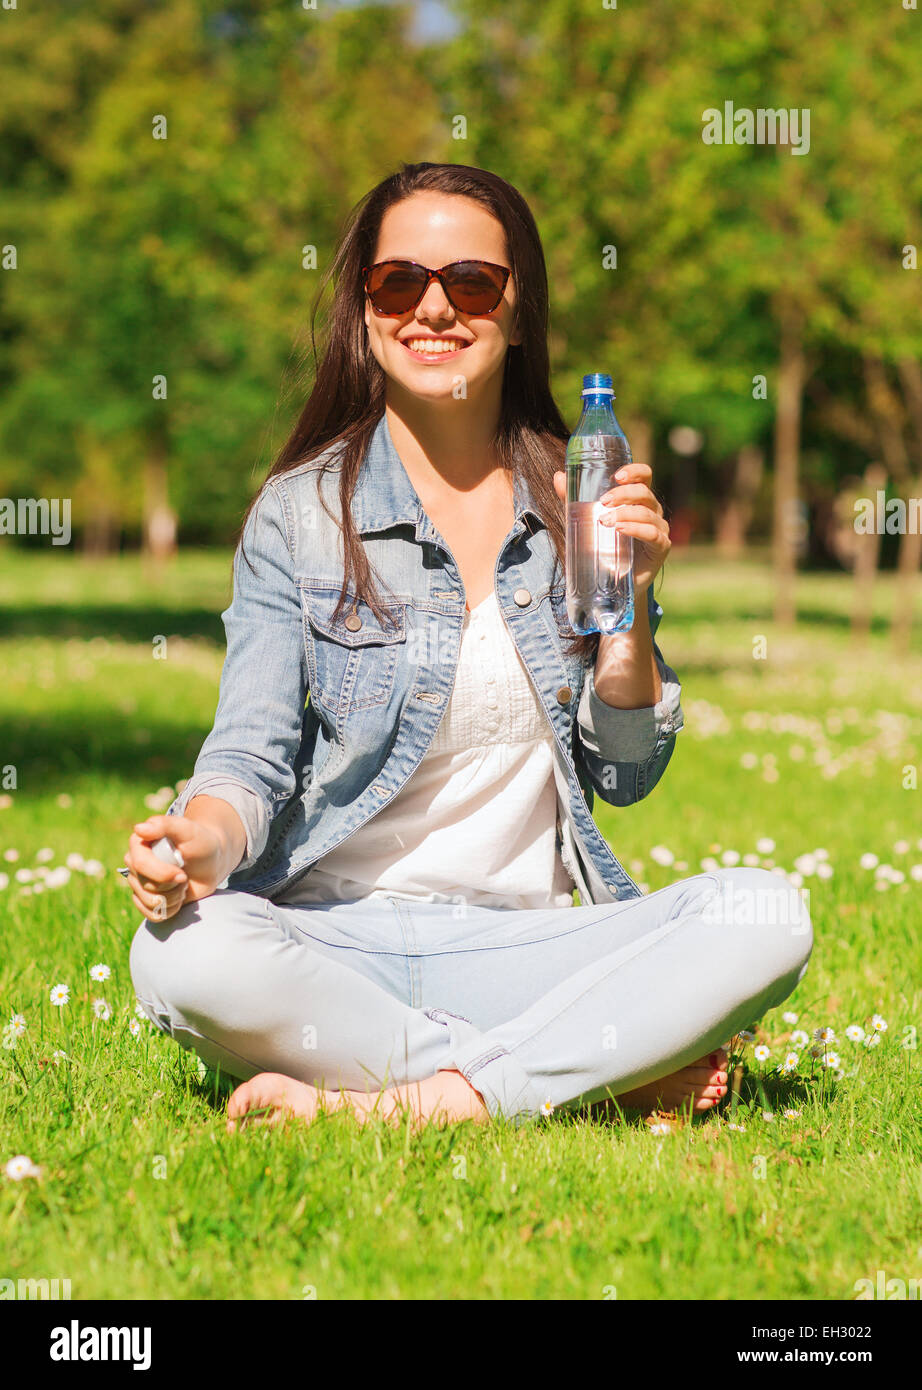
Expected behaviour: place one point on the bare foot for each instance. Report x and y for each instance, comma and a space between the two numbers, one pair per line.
445, 1096
703, 1084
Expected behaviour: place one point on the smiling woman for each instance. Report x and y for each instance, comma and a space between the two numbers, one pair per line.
376, 904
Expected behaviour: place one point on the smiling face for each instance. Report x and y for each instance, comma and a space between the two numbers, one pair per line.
436, 229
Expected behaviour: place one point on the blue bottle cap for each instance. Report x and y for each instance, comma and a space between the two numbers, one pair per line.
597, 384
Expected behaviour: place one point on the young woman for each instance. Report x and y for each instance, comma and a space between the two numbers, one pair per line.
376, 909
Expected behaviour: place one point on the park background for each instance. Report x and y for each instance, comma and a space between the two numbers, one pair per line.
761, 319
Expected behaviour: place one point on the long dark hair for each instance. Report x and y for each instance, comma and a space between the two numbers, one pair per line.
348, 396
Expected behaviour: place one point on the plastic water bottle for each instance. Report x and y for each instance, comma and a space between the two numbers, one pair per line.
600, 560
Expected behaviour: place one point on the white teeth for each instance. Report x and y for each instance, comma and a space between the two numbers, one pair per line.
432, 345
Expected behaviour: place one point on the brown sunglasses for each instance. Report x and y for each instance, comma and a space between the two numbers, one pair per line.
472, 287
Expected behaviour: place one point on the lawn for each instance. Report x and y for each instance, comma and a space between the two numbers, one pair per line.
142, 1194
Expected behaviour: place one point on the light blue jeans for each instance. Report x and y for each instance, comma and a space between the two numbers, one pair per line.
554, 1005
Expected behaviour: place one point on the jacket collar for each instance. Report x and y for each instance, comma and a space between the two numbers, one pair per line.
384, 495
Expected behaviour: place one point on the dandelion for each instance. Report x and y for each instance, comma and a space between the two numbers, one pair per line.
59, 995
873, 1040
17, 1024
761, 1053
824, 1035
832, 1060
878, 1024
855, 1033
134, 1027
790, 1017
21, 1167
100, 972
765, 845
101, 1009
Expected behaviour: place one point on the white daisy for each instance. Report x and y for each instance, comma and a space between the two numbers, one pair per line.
824, 1035
831, 1060
58, 1057
791, 1114
18, 1024
547, 1108
21, 1167
746, 1036
139, 1011
765, 845
868, 861
660, 1127
855, 1033
873, 1040
790, 1017
879, 1024
99, 972
661, 855
9, 1038
799, 1038
761, 1053
43, 856
134, 1027
101, 1009
739, 1128
59, 995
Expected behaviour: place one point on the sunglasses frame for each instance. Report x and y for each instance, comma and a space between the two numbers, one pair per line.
431, 275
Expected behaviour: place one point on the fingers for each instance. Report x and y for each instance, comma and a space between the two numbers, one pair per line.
154, 872
156, 907
632, 492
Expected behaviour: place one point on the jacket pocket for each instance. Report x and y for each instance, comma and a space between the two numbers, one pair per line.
352, 658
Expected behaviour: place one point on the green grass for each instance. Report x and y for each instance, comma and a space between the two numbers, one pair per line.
143, 1194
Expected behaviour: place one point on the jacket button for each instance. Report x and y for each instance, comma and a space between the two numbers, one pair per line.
522, 597
353, 622
563, 694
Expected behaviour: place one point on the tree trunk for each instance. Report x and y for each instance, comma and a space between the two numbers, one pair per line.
785, 523
867, 554
159, 519
735, 517
907, 571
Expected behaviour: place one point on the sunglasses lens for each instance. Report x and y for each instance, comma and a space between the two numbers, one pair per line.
394, 288
475, 288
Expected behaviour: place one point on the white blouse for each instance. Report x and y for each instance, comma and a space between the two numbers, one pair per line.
476, 821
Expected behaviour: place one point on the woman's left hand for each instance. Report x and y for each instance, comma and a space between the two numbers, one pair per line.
636, 512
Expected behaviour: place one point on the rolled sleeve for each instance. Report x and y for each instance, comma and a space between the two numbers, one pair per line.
249, 807
625, 751
248, 757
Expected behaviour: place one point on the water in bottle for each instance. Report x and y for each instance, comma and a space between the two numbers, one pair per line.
600, 560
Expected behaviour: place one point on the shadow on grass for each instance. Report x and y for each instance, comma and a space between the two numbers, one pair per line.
116, 621
56, 749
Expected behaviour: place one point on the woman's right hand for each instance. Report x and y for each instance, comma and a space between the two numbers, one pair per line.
159, 889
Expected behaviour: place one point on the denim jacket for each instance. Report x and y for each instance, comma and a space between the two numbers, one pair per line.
321, 722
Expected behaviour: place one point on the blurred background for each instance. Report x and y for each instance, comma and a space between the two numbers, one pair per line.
176, 175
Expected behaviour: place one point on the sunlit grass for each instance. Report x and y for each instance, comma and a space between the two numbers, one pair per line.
142, 1193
